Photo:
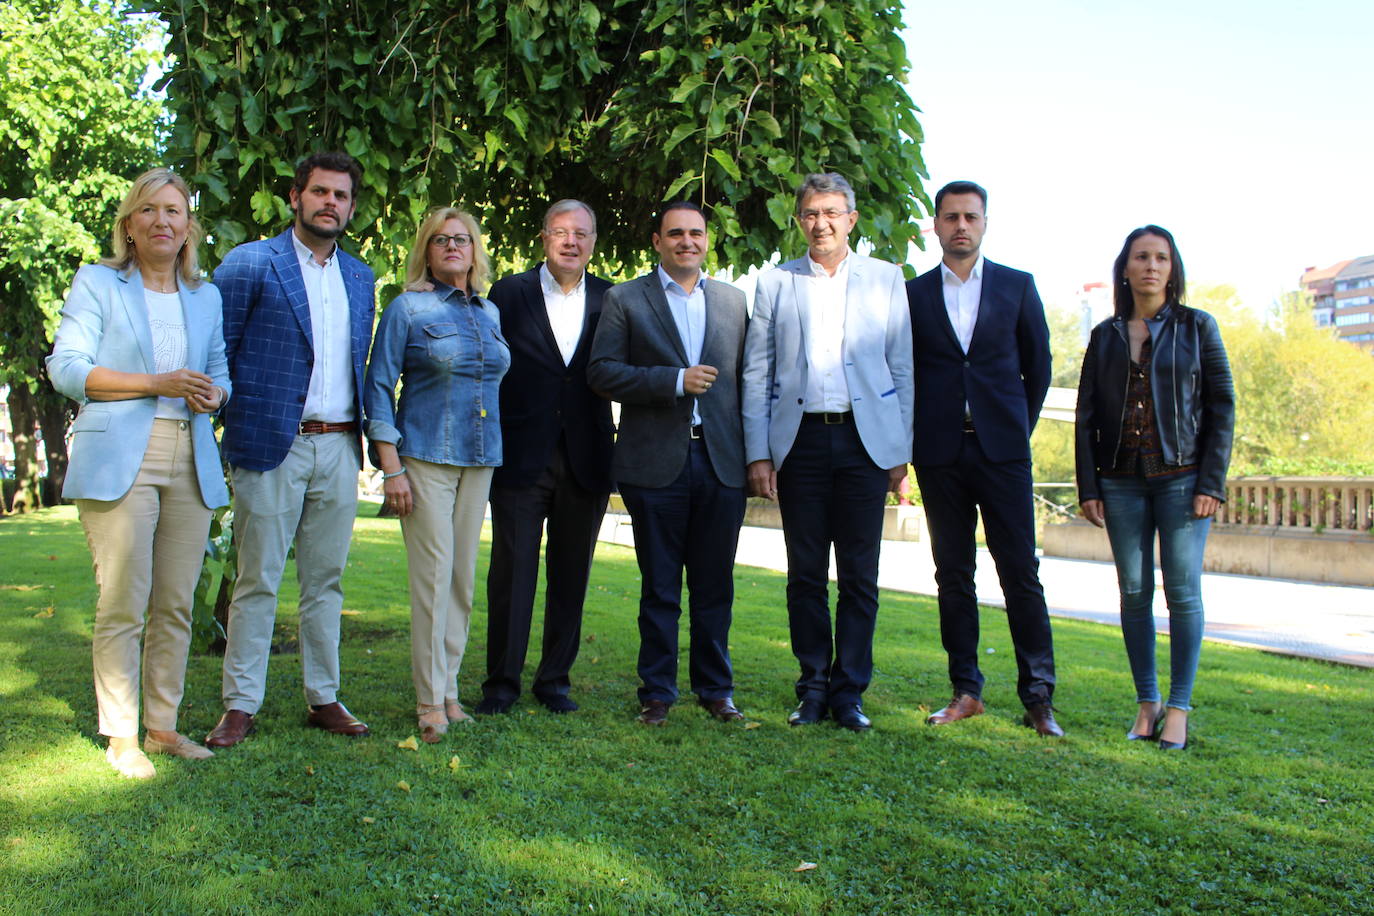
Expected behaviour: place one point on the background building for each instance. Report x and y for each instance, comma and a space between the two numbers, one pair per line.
1343, 295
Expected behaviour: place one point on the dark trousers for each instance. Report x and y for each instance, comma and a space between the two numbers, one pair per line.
953, 494
518, 515
831, 493
692, 523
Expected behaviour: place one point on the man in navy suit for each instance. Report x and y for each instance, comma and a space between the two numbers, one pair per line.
297, 324
982, 370
556, 437
670, 348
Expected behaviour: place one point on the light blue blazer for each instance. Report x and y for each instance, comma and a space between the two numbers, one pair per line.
877, 360
105, 323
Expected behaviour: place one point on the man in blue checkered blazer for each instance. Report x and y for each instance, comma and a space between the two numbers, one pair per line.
297, 324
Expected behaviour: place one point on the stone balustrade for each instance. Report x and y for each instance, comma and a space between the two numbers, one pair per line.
1315, 503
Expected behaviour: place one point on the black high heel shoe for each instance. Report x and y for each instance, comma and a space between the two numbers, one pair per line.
1154, 732
1175, 745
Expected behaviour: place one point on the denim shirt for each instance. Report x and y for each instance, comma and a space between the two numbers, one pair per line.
447, 351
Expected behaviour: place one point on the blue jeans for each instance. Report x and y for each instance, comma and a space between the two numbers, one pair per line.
1136, 508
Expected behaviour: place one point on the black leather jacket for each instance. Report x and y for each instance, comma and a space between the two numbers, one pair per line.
1195, 402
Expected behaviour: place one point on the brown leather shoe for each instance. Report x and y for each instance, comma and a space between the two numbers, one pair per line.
233, 727
1041, 718
334, 718
961, 706
722, 709
653, 712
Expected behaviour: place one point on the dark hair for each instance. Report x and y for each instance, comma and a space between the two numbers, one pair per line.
961, 187
330, 162
1174, 288
675, 205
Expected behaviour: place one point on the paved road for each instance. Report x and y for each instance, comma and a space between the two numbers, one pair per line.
1307, 619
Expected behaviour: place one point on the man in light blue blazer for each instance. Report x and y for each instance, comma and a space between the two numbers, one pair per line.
297, 324
827, 399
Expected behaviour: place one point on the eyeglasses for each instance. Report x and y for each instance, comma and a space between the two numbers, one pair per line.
458, 241
560, 234
810, 216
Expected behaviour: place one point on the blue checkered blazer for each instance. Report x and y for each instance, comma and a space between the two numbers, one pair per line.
270, 349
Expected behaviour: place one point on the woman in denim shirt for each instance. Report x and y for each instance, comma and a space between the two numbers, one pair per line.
437, 449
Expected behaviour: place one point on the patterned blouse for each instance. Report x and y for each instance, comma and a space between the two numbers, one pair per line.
1139, 452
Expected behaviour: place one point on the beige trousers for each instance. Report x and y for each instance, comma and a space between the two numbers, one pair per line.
441, 536
148, 547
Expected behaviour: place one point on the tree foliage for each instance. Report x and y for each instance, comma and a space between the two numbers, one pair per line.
505, 105
76, 126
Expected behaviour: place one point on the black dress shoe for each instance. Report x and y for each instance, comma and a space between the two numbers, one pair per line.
808, 712
557, 703
490, 706
852, 717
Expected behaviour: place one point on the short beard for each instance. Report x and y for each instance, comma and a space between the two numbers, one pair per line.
320, 231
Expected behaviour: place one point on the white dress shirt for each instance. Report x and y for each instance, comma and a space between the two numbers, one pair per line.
689, 314
961, 300
330, 397
567, 311
827, 390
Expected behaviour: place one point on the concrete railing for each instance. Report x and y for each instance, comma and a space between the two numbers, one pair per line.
1314, 503
1317, 529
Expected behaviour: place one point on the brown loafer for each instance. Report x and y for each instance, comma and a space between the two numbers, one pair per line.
722, 709
961, 706
233, 727
335, 719
1040, 717
653, 712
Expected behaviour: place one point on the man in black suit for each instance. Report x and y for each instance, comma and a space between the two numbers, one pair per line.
982, 370
670, 349
556, 437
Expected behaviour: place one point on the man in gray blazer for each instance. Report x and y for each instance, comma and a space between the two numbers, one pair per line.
669, 348
827, 407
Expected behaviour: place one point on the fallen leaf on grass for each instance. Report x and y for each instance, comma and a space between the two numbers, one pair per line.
748, 725
410, 744
310, 770
454, 763
45, 613
369, 820
805, 866
347, 613
403, 786
1323, 801
22, 588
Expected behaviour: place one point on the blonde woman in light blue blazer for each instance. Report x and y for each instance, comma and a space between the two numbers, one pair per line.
141, 349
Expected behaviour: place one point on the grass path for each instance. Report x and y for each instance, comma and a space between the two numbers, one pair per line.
1271, 811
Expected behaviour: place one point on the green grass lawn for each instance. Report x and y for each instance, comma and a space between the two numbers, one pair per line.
1270, 811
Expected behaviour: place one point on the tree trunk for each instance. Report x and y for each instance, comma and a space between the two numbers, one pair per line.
23, 424
54, 416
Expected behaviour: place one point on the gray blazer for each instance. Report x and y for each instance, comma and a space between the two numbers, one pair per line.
635, 359
877, 360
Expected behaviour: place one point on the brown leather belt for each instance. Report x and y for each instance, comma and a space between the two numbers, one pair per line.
315, 427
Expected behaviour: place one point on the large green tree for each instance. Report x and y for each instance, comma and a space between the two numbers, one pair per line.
504, 105
76, 126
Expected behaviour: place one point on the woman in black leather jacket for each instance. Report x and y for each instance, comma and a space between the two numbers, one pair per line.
1156, 410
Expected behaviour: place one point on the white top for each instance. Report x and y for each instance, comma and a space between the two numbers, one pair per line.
567, 311
330, 396
689, 314
168, 324
827, 390
961, 300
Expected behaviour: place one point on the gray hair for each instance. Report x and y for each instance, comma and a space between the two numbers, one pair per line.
567, 205
825, 183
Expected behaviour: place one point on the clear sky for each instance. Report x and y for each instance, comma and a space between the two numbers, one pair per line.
1245, 128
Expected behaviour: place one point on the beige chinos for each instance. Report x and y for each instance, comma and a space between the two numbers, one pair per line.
441, 536
147, 547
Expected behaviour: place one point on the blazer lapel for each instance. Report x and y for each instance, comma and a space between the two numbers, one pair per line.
195, 340
537, 313
136, 308
987, 302
801, 301
288, 270
935, 296
658, 305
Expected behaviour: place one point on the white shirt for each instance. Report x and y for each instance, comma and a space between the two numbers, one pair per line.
689, 314
827, 390
168, 324
961, 300
567, 311
330, 397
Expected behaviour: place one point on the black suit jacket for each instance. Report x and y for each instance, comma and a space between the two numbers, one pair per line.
542, 398
1003, 377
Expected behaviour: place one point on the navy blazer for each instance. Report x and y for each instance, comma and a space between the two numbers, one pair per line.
270, 348
541, 398
1004, 376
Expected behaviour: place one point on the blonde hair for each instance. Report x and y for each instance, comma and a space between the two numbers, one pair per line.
145, 186
417, 264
